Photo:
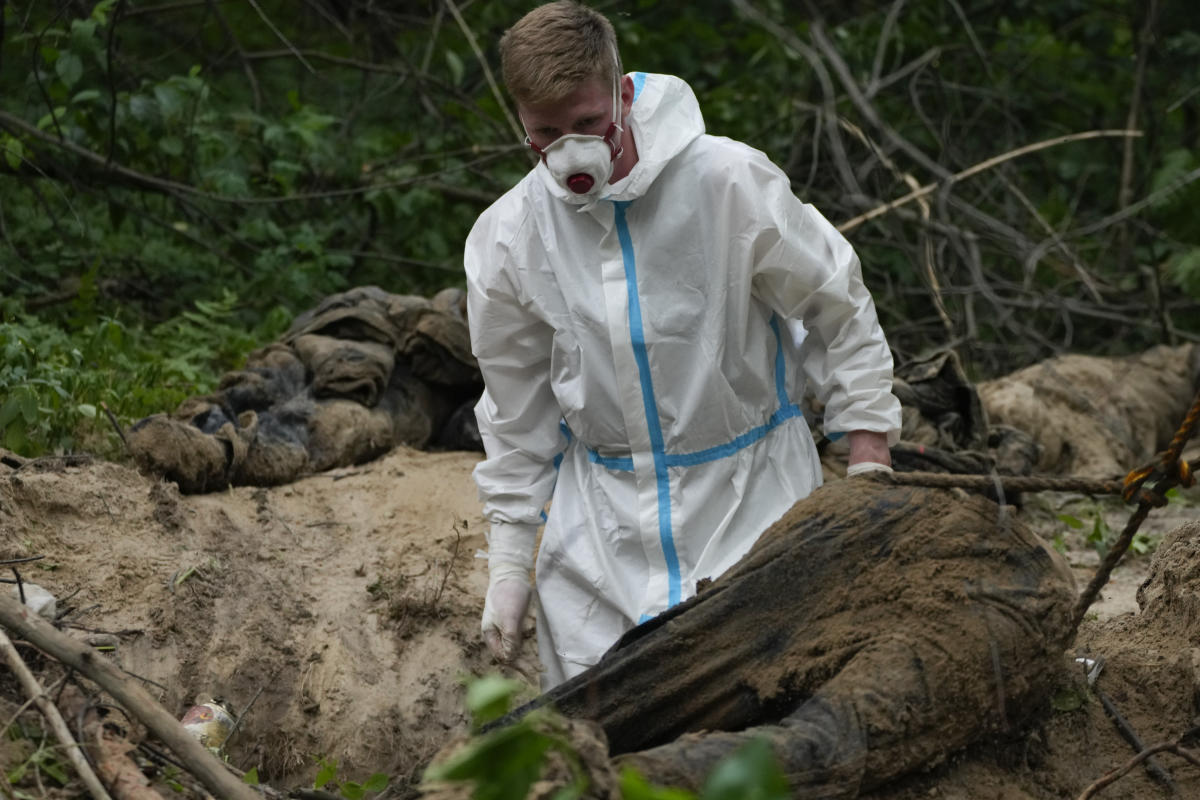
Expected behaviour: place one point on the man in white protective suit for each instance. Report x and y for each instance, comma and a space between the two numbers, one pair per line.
631, 304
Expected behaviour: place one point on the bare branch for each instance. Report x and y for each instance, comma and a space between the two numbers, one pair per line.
33, 690
864, 107
241, 54
987, 164
889, 25
830, 117
517, 130
279, 35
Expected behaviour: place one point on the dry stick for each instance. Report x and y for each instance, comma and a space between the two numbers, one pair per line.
926, 216
1166, 747
487, 71
50, 712
112, 420
1057, 239
975, 169
199, 761
317, 55
1125, 194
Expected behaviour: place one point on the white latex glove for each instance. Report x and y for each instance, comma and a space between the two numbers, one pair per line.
863, 467
504, 609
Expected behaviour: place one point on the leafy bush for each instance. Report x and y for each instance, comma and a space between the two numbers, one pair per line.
55, 381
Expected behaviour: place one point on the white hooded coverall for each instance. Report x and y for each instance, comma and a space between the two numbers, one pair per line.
639, 371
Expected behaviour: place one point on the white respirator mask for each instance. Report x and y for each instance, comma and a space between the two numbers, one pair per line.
583, 163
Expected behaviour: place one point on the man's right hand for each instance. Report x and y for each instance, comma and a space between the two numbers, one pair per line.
504, 609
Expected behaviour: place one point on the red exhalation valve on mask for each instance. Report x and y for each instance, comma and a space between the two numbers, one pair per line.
580, 183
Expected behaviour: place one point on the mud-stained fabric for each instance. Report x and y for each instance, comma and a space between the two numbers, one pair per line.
1097, 417
354, 377
870, 631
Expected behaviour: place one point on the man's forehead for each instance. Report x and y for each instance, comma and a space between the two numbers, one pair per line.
586, 98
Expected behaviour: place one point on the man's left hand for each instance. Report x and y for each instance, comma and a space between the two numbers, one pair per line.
868, 453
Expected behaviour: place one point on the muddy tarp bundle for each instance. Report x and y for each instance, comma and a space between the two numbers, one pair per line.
1097, 416
870, 631
359, 374
1091, 416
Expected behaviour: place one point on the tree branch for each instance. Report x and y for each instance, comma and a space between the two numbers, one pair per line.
203, 764
987, 164
33, 690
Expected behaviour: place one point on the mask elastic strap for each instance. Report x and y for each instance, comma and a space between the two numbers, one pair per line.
613, 134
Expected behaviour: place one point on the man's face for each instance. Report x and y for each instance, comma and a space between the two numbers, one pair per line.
586, 110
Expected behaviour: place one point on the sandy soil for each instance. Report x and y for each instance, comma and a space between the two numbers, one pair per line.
345, 606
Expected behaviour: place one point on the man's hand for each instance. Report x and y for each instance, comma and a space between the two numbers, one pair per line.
504, 609
868, 453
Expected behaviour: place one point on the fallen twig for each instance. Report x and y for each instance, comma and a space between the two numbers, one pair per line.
1109, 778
200, 762
33, 689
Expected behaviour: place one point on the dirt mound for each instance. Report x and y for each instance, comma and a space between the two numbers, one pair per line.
351, 600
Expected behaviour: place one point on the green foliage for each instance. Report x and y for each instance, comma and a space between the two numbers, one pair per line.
327, 778
39, 759
1100, 537
504, 763
54, 380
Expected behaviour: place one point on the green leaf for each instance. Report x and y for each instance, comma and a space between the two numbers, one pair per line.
377, 782
489, 698
83, 35
14, 152
751, 773
86, 409
251, 777
47, 120
1070, 521
27, 402
171, 145
457, 70
503, 764
636, 787
1068, 699
69, 68
351, 790
170, 101
101, 9
326, 773
86, 96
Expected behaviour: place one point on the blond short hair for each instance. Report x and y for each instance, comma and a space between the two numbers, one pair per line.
555, 48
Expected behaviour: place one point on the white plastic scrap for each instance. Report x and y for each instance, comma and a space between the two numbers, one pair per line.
40, 600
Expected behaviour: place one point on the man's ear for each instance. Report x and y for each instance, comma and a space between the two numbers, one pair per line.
626, 95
